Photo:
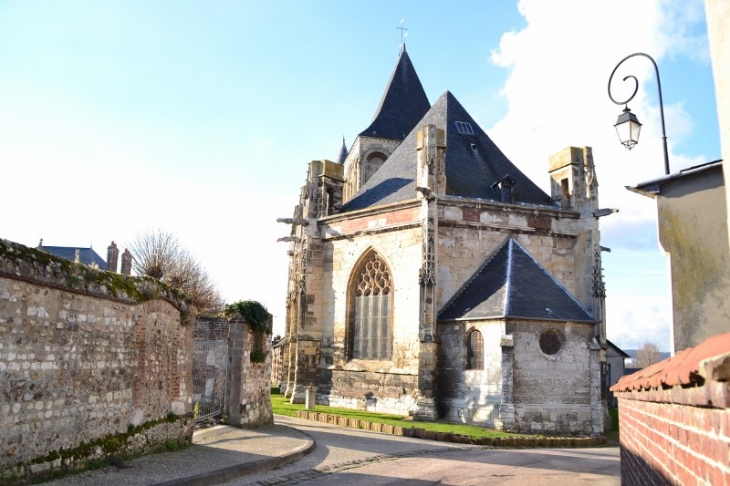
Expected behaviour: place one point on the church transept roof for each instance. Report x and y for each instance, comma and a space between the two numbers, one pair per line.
473, 164
512, 284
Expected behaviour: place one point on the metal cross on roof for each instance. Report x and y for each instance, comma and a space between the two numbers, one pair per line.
403, 34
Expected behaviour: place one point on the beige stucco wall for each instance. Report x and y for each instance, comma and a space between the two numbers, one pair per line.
693, 233
718, 30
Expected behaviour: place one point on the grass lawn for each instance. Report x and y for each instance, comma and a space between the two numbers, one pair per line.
282, 406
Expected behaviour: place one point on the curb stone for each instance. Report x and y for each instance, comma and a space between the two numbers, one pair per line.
455, 438
234, 472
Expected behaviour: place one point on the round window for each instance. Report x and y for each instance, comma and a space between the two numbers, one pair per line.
550, 341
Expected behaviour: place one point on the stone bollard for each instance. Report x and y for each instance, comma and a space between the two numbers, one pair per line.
310, 398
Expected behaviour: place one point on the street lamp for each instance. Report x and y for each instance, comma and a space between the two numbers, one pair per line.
628, 126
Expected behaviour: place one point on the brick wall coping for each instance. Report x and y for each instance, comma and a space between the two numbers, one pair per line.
693, 367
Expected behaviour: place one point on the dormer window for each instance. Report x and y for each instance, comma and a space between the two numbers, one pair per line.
505, 185
464, 128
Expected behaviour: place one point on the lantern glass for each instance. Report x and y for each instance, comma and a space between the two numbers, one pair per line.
628, 129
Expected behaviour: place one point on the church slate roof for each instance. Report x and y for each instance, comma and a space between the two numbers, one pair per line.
87, 256
473, 164
402, 105
512, 284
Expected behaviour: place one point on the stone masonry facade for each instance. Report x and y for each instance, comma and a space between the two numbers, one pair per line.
550, 395
85, 356
385, 244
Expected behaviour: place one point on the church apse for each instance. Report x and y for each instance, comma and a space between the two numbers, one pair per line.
427, 291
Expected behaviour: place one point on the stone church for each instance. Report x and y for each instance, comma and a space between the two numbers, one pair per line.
429, 276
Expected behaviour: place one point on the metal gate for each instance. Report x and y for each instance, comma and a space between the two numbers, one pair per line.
209, 377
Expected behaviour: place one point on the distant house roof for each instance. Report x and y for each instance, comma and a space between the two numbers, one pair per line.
681, 369
87, 256
619, 352
473, 165
402, 105
512, 284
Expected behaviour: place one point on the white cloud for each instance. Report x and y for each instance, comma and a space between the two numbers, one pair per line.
556, 91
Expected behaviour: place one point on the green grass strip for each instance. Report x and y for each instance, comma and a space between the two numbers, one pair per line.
281, 406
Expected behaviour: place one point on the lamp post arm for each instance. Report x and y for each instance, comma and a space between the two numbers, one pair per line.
636, 88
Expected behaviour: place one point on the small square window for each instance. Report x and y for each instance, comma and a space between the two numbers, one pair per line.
464, 128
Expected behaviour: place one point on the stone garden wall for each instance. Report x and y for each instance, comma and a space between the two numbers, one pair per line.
92, 364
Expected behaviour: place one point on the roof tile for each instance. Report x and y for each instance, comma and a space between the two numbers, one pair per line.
681, 369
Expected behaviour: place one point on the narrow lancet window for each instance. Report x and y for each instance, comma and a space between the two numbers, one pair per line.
475, 351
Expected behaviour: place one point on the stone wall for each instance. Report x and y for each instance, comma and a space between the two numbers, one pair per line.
383, 386
544, 394
556, 394
248, 394
469, 233
465, 395
89, 360
674, 418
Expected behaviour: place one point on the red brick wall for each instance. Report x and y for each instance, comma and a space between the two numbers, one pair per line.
674, 418
667, 443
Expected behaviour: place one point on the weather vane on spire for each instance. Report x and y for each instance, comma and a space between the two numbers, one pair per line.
403, 35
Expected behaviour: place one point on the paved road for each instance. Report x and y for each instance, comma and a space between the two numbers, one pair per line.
353, 457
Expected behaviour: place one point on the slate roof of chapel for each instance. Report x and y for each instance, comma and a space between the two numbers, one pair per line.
473, 164
512, 284
404, 102
86, 255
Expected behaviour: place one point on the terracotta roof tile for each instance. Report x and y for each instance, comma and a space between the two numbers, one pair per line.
681, 369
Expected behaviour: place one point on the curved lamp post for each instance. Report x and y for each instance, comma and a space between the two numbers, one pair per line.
628, 126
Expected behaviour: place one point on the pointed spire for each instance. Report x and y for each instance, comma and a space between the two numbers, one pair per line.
403, 104
343, 152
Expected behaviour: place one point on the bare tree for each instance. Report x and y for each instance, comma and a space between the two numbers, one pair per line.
647, 355
159, 255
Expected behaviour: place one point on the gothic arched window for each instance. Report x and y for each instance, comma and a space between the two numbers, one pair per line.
371, 296
474, 351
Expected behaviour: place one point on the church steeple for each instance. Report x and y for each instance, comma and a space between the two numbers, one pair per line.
343, 153
403, 104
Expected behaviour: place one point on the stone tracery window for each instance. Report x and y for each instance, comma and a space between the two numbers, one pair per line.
371, 298
475, 351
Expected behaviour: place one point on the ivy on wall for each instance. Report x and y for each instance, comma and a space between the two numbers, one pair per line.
255, 314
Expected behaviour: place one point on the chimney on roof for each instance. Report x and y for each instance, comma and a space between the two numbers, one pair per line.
112, 257
126, 263
505, 184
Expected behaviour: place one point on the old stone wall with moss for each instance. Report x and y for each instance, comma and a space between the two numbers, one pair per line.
91, 364
248, 391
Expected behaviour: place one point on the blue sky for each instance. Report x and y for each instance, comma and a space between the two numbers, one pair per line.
199, 118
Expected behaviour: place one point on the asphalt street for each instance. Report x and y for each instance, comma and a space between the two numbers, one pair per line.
354, 457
